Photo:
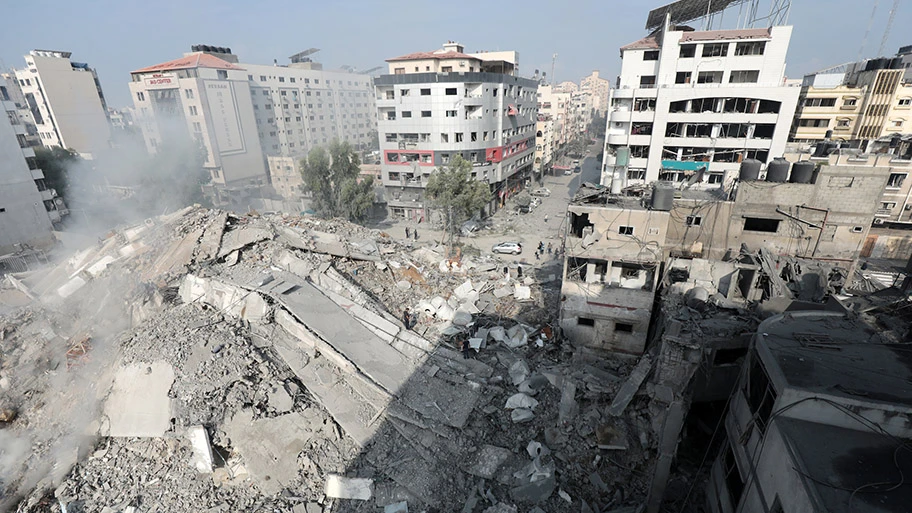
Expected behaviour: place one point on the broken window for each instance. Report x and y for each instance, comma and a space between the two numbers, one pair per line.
709, 77
715, 50
687, 51
759, 224
578, 223
760, 394
625, 230
585, 321
444, 138
733, 481
644, 104
623, 327
694, 220
750, 48
896, 180
744, 76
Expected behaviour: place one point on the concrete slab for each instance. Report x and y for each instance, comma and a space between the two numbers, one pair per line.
138, 404
202, 450
242, 237
630, 387
228, 298
211, 240
270, 446
339, 487
176, 257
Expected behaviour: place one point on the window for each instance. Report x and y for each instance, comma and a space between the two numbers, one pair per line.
458, 136
625, 230
444, 137
896, 123
819, 102
760, 393
733, 481
188, 93
647, 81
623, 327
651, 55
425, 92
399, 71
425, 113
849, 102
896, 180
450, 91
715, 50
644, 104
694, 220
744, 77
445, 158
585, 321
193, 111
816, 123
197, 127
406, 113
403, 92
688, 51
292, 80
141, 96
451, 113
843, 123
857, 229
709, 77
759, 224
888, 205
263, 79
682, 77
751, 48
905, 102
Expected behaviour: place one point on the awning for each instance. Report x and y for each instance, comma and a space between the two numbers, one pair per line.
679, 165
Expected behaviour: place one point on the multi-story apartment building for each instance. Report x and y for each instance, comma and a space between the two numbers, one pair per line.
544, 145
817, 421
435, 105
859, 101
26, 203
598, 89
244, 114
66, 102
690, 101
558, 105
567, 87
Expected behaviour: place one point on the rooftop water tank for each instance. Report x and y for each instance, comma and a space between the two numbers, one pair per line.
802, 172
777, 170
662, 198
750, 170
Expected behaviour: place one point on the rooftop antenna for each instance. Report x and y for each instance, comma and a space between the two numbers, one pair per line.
883, 40
553, 61
864, 40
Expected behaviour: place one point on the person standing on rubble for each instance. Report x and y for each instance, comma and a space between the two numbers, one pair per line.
415, 232
467, 351
549, 249
408, 233
407, 318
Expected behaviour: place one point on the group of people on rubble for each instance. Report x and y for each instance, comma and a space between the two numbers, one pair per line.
541, 250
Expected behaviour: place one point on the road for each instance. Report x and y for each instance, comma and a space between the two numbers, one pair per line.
544, 224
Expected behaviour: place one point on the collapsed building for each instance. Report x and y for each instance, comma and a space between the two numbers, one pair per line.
203, 361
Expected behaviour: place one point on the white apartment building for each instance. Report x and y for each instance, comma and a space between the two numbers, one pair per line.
66, 101
557, 105
544, 145
246, 113
698, 101
598, 89
433, 106
25, 200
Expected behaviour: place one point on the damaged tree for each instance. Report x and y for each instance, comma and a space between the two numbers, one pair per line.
333, 179
456, 195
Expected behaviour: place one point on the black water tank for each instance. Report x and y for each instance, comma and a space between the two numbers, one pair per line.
777, 170
802, 172
663, 197
750, 170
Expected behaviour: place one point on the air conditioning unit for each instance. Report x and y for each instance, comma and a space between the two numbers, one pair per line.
878, 221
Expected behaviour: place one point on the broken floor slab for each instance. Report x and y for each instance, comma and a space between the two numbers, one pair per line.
340, 487
270, 446
630, 387
202, 451
242, 237
228, 298
138, 405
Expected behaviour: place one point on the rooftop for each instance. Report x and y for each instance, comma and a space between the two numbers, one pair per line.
192, 61
432, 55
848, 470
715, 35
648, 42
837, 355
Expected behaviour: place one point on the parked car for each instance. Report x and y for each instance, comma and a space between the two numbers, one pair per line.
576, 163
469, 227
541, 192
514, 248
568, 172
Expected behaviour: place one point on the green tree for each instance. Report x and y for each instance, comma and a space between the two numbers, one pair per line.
333, 178
457, 195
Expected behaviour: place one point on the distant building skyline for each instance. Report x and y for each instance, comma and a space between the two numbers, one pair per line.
578, 36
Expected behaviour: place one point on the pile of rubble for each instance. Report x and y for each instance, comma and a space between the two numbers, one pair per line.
203, 361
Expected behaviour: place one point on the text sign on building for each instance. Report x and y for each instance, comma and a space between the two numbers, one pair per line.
160, 81
225, 117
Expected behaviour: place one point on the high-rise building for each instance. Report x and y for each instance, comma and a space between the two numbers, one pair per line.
435, 105
557, 105
858, 101
66, 101
26, 203
697, 103
244, 114
598, 89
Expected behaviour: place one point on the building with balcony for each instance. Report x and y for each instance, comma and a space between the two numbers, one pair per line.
435, 105
26, 203
557, 104
691, 101
66, 102
244, 113
855, 102
544, 146
817, 421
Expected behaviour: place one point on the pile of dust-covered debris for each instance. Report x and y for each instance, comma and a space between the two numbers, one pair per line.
209, 362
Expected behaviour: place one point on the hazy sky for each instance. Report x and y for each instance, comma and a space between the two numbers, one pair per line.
119, 36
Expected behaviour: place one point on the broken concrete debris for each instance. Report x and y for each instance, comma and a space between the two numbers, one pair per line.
262, 359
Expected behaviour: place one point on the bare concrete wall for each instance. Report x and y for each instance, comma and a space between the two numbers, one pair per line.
606, 306
645, 245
